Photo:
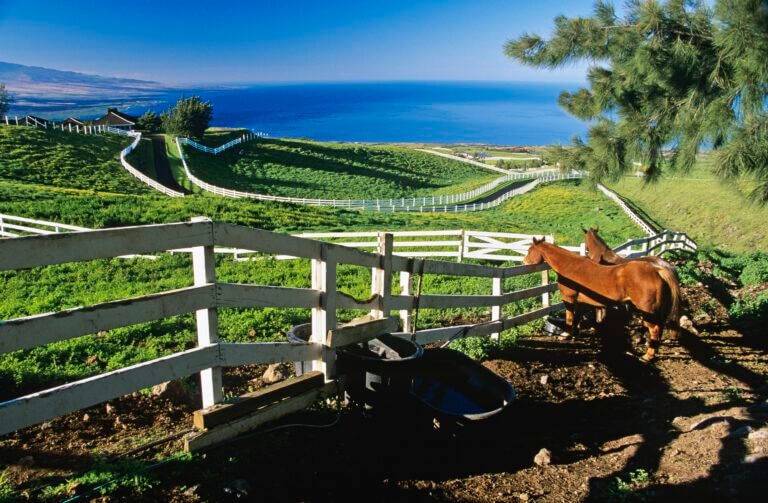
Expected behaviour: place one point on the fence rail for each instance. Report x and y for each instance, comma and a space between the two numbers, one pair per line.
442, 203
207, 295
135, 172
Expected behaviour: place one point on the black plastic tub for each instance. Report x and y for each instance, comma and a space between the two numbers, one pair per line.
379, 372
458, 391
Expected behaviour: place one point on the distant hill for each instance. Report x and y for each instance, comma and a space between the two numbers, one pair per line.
35, 81
57, 94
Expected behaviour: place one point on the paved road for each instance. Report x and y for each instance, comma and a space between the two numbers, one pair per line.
162, 165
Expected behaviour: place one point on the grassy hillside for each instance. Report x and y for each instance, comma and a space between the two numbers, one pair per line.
711, 212
64, 159
558, 209
330, 170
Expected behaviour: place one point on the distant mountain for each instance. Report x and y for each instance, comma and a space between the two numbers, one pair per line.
35, 81
56, 94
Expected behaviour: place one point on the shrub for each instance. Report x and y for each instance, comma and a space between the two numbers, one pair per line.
750, 311
190, 117
150, 122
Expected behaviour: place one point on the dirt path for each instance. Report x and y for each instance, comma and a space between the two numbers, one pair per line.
692, 425
163, 165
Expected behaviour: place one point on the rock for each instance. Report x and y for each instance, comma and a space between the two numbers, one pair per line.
276, 372
523, 497
543, 458
687, 324
172, 390
758, 434
752, 458
192, 491
26, 461
238, 488
544, 379
109, 409
86, 418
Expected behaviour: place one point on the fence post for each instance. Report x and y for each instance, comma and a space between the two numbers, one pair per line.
406, 288
207, 320
324, 314
462, 245
496, 308
381, 276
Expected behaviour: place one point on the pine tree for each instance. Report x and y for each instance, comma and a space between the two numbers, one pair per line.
190, 117
666, 79
5, 100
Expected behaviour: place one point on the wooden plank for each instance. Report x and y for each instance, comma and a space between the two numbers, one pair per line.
346, 255
519, 270
324, 314
204, 269
346, 301
459, 301
38, 407
234, 354
227, 431
251, 402
481, 329
237, 295
33, 251
238, 236
360, 331
457, 269
31, 331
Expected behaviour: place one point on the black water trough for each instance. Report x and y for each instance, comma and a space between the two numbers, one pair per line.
456, 390
379, 371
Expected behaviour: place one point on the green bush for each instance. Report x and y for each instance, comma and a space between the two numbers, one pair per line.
750, 311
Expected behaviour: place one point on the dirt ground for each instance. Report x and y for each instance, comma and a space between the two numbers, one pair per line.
693, 424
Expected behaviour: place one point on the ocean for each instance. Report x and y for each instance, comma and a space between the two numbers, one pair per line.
430, 112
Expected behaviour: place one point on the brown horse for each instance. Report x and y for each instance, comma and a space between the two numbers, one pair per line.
652, 290
600, 252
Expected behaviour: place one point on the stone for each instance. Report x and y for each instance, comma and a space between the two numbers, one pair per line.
276, 372
109, 409
238, 488
192, 491
543, 458
26, 461
86, 418
172, 390
544, 379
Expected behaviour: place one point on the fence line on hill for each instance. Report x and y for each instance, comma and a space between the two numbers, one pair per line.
151, 182
647, 228
444, 203
208, 294
135, 172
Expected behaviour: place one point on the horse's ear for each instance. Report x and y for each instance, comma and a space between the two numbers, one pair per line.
538, 241
597, 228
583, 229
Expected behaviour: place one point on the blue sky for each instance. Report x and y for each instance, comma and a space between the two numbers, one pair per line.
281, 40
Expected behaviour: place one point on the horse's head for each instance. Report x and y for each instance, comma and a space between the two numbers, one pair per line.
534, 255
595, 244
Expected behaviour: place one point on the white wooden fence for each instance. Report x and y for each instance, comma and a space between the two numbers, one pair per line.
208, 294
135, 172
441, 203
631, 214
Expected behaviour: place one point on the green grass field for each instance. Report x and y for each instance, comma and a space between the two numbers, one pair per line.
331, 170
64, 159
143, 158
710, 211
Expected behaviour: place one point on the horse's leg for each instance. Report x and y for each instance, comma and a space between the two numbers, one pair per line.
577, 310
599, 314
654, 340
570, 307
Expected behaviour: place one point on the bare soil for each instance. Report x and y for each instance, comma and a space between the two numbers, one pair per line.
692, 424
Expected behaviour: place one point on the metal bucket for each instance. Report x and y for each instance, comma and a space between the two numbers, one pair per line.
300, 334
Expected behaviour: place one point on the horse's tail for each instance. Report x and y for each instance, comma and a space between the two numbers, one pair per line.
673, 315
